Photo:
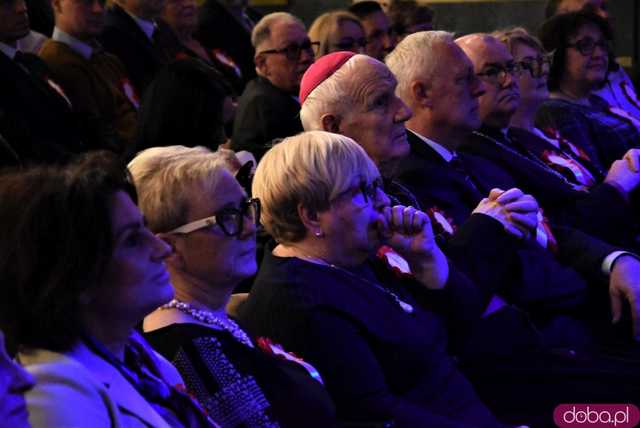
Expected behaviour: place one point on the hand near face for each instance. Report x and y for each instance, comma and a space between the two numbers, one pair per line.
408, 231
624, 174
517, 211
624, 284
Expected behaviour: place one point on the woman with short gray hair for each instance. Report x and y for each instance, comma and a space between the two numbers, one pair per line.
354, 286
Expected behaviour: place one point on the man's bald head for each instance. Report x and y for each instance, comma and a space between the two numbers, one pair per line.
494, 64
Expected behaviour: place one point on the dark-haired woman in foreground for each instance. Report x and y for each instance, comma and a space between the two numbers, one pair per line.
80, 270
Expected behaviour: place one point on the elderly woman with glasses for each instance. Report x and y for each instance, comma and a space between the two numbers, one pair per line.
337, 30
580, 42
80, 270
191, 199
370, 323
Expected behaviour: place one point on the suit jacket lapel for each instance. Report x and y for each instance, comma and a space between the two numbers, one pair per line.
119, 18
123, 393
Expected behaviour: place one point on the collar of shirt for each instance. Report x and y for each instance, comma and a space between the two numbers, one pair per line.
147, 27
445, 153
76, 45
9, 51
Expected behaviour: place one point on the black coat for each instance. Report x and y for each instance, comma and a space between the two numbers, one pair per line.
35, 120
539, 281
264, 113
377, 361
217, 28
142, 58
602, 211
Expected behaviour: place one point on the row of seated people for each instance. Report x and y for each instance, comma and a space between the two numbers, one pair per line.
372, 301
518, 296
89, 92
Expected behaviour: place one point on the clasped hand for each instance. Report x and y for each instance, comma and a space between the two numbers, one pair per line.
517, 211
408, 231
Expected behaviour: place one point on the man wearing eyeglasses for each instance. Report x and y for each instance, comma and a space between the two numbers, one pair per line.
268, 108
599, 208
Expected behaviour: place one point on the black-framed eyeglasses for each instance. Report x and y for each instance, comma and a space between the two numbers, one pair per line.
349, 44
536, 67
230, 220
292, 52
587, 46
497, 74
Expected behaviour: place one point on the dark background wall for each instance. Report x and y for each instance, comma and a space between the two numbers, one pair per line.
467, 16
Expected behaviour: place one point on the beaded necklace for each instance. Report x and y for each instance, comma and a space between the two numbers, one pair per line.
208, 317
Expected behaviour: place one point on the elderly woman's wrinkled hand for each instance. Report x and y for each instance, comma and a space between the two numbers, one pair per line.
408, 231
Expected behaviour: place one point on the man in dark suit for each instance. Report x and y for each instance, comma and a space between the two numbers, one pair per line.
35, 115
444, 97
355, 95
141, 41
268, 108
220, 21
602, 210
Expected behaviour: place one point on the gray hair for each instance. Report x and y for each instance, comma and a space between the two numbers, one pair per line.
262, 31
310, 169
165, 176
416, 56
333, 96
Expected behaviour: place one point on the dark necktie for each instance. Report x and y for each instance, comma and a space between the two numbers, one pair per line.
457, 163
20, 59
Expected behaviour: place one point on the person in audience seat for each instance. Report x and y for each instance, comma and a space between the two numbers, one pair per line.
617, 89
342, 90
376, 333
142, 41
36, 119
337, 30
268, 107
580, 42
192, 201
561, 175
95, 81
86, 272
377, 28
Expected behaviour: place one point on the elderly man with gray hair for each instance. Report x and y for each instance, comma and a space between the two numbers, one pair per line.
268, 107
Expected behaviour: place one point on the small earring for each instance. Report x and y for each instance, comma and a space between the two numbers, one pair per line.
318, 233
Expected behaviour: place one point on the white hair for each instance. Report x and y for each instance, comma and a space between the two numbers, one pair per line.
165, 177
309, 169
333, 96
417, 55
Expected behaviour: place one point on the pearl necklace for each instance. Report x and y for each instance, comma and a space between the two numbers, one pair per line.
208, 317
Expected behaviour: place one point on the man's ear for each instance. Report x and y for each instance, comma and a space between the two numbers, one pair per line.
55, 4
330, 123
262, 68
421, 93
310, 220
176, 259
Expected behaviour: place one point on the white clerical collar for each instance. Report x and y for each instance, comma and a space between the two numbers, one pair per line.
76, 45
147, 27
9, 51
445, 153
